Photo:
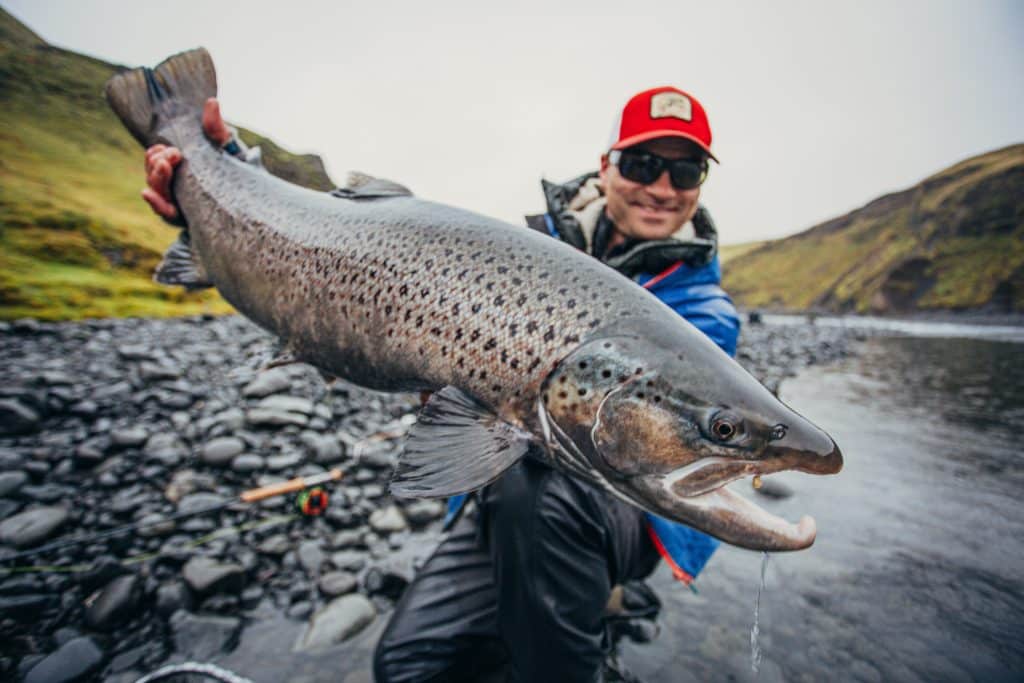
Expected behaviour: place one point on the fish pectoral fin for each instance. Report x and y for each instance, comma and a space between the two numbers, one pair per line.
363, 186
180, 266
283, 356
457, 445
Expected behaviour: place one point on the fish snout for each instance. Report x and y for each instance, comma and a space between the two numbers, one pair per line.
807, 447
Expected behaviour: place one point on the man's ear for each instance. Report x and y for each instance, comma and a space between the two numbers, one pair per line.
603, 171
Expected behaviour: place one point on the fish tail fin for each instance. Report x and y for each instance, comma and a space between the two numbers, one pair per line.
144, 99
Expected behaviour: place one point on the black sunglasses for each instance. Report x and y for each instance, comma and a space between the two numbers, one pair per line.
645, 168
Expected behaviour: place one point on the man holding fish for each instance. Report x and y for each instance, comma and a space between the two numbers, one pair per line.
523, 580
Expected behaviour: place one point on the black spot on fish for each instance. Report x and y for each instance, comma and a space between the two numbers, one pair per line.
483, 374
521, 300
499, 300
490, 344
455, 308
571, 303
512, 329
541, 296
474, 335
550, 334
531, 327
419, 321
403, 290
496, 388
475, 308
572, 339
502, 270
514, 363
458, 334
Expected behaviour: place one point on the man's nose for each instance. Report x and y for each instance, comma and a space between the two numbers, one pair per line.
662, 187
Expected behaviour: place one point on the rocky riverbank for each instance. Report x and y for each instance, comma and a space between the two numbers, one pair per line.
112, 422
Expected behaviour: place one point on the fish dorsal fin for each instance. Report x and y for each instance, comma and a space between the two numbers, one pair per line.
363, 186
457, 445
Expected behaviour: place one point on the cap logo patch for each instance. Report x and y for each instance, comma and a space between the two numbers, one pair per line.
671, 104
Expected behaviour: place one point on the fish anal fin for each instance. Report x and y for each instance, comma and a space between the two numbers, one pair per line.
457, 445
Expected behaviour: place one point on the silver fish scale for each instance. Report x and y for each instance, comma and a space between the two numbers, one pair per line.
398, 293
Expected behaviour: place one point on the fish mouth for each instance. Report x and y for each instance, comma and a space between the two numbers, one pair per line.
697, 493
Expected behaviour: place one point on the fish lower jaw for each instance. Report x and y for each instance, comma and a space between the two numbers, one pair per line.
747, 525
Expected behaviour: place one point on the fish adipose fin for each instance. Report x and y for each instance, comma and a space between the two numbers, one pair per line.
144, 99
457, 445
363, 186
180, 267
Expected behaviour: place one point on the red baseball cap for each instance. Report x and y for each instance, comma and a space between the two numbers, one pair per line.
664, 112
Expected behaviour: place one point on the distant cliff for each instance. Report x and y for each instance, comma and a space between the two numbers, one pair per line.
76, 240
954, 241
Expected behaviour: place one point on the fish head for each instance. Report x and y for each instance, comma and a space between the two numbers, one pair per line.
667, 419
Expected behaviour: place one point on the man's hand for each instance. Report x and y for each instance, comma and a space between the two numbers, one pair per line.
161, 161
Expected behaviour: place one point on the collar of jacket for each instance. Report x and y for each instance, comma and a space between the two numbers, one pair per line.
576, 209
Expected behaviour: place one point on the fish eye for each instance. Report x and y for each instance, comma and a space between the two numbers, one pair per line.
725, 427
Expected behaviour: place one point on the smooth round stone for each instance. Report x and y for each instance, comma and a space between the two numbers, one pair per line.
10, 482
341, 619
247, 462
333, 584
33, 526
71, 662
222, 450
272, 381
16, 418
128, 437
388, 520
276, 463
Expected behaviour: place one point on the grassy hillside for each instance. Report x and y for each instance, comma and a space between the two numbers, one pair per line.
954, 241
75, 238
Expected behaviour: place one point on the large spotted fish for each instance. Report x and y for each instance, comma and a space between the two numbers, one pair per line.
524, 339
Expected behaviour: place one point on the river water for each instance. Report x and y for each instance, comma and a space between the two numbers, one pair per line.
917, 573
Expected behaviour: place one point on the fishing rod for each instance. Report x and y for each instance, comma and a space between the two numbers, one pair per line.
312, 501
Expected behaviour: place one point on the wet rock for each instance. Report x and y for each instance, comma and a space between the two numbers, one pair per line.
10, 460
276, 463
281, 410
272, 381
311, 556
333, 584
350, 560
346, 539
171, 597
16, 418
88, 455
165, 447
154, 524
276, 545
26, 608
388, 520
31, 527
421, 512
194, 502
73, 661
205, 575
341, 619
324, 448
202, 637
300, 610
157, 372
10, 482
184, 482
128, 437
247, 462
44, 493
116, 603
222, 451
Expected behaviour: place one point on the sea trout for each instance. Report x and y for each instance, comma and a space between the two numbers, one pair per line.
523, 339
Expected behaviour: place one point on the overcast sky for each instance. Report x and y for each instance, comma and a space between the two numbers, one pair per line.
816, 107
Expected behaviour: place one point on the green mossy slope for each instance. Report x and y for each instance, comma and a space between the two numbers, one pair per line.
76, 240
955, 241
